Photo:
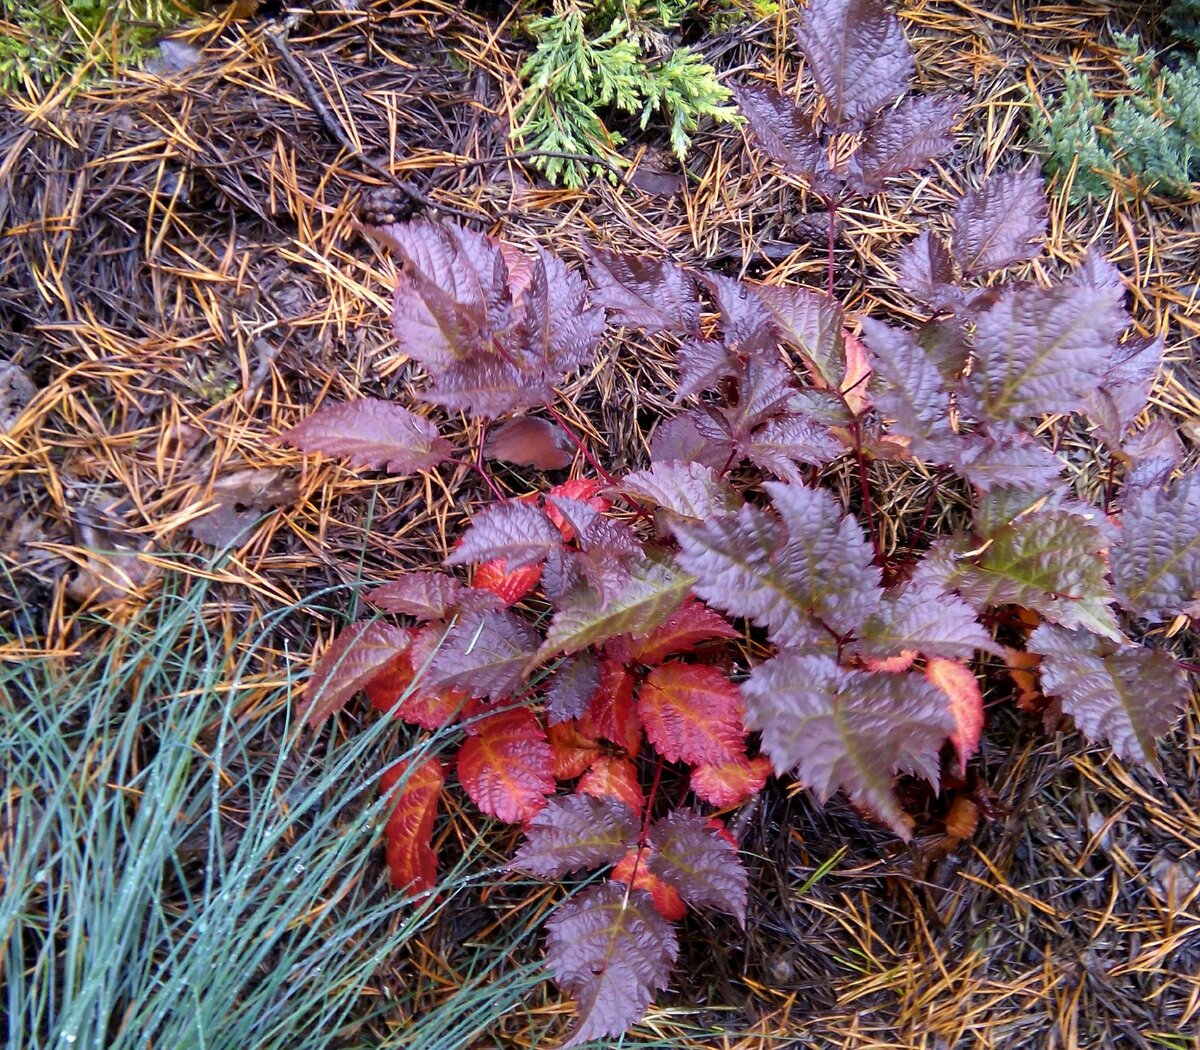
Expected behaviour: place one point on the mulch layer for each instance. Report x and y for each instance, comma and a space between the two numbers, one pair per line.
182, 277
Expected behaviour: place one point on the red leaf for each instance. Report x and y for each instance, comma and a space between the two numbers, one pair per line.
690, 625
530, 442
409, 831
692, 713
505, 767
509, 586
513, 530
384, 690
731, 783
586, 490
666, 900
611, 713
356, 656
371, 433
571, 751
609, 948
612, 776
959, 683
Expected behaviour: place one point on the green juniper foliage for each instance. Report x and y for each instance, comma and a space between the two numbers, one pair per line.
1149, 136
42, 41
609, 57
1183, 16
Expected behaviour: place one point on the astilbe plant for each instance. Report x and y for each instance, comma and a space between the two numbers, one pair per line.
592, 647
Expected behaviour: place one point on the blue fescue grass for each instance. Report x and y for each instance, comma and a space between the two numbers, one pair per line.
184, 867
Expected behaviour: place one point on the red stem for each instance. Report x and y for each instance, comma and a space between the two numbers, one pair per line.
650, 799
578, 443
482, 470
831, 206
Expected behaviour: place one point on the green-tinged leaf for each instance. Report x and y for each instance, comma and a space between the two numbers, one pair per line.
810, 561
925, 619
653, 591
1125, 695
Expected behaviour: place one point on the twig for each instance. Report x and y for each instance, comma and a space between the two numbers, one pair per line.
334, 128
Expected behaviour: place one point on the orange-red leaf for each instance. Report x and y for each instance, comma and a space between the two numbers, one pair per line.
958, 682
356, 656
612, 776
571, 752
409, 830
431, 709
584, 489
667, 902
731, 783
509, 586
692, 623
612, 714
505, 766
897, 664
692, 713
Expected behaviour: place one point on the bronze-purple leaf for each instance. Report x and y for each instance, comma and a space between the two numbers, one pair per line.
999, 224
610, 949
786, 135
571, 688
1124, 695
371, 433
642, 292
515, 531
927, 272
850, 731
485, 655
905, 138
858, 56
424, 595
698, 863
923, 618
781, 444
575, 832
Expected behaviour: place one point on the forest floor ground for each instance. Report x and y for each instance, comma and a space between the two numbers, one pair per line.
181, 279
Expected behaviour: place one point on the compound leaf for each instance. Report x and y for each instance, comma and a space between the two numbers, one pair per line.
414, 791
699, 863
356, 655
812, 560
926, 272
848, 730
1156, 561
505, 765
995, 225
692, 713
1003, 458
610, 949
520, 534
1126, 695
371, 433
654, 295
611, 713
632, 869
574, 832
1124, 389
857, 54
